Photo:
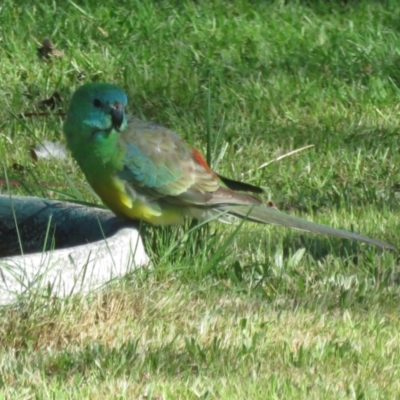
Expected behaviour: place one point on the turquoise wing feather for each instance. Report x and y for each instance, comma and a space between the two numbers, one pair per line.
160, 163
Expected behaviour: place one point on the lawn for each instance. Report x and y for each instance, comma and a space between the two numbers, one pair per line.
261, 312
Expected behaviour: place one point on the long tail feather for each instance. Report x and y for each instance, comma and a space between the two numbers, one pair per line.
267, 215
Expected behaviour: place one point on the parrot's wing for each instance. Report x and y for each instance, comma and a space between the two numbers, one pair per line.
240, 186
158, 164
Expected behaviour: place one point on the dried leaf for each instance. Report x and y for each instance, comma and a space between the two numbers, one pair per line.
102, 31
51, 102
48, 50
19, 168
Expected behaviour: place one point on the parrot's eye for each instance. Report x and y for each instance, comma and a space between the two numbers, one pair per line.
97, 103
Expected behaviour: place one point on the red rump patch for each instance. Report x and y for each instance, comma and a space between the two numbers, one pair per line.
200, 159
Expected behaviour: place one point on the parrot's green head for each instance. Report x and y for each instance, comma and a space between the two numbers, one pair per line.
95, 119
96, 111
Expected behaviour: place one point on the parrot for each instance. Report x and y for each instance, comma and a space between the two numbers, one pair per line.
144, 171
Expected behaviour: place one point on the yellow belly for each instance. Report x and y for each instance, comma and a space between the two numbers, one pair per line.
113, 194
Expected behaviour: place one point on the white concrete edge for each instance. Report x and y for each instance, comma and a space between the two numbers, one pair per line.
79, 269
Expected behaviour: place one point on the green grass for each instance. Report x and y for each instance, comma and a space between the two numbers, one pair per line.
268, 312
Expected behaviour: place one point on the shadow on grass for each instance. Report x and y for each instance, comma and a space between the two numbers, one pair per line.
33, 225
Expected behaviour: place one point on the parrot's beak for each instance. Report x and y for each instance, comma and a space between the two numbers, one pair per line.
117, 115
